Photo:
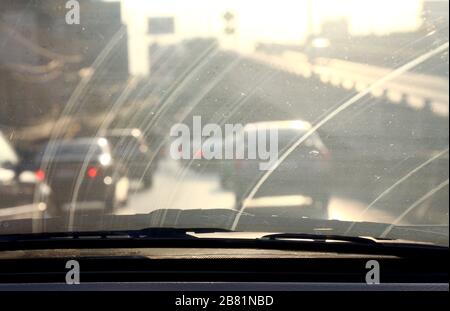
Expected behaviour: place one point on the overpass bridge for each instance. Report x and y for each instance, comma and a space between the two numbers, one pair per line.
417, 91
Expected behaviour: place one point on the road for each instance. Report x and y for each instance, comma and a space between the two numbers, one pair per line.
204, 191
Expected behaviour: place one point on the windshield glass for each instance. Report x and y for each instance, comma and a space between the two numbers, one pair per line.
344, 105
123, 145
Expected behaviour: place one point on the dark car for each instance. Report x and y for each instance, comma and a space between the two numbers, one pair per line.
303, 177
83, 170
130, 147
21, 191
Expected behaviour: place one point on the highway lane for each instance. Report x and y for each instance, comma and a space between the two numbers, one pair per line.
204, 191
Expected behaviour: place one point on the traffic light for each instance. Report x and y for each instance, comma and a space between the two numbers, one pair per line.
230, 27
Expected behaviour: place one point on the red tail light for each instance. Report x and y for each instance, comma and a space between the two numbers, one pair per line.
40, 175
198, 154
327, 155
92, 172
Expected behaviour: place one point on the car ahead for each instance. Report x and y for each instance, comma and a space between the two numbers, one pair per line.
83, 170
302, 179
130, 147
21, 191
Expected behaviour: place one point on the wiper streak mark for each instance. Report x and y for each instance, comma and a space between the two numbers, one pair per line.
62, 123
105, 124
394, 74
414, 205
398, 182
179, 84
221, 121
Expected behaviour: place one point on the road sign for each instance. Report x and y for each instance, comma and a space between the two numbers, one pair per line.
161, 25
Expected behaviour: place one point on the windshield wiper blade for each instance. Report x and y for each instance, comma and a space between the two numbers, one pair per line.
146, 233
359, 244
165, 233
322, 238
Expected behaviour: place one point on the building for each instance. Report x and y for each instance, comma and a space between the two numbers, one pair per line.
42, 58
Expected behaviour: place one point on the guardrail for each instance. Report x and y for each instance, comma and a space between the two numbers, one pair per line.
19, 211
419, 91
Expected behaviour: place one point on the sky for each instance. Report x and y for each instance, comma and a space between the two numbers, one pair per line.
280, 21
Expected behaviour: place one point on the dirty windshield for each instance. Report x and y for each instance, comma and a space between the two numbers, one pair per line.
283, 112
